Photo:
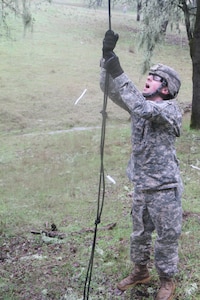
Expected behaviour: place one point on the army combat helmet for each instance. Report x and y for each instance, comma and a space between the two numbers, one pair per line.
170, 78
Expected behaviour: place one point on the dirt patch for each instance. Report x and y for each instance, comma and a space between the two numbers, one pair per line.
25, 261
34, 269
188, 214
176, 40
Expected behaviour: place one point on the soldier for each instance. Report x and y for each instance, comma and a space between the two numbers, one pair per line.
153, 167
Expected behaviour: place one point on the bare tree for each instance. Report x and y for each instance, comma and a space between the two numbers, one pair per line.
139, 8
26, 16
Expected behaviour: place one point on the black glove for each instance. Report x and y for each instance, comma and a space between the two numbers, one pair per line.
112, 65
109, 42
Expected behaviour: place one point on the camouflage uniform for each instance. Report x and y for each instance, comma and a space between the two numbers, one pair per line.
154, 170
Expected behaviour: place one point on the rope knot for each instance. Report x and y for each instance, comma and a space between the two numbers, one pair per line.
104, 113
98, 221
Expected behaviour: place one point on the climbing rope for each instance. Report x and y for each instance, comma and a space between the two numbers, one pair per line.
101, 190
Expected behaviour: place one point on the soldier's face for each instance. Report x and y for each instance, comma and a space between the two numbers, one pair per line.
153, 82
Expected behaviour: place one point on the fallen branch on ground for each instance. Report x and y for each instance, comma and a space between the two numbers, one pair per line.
60, 235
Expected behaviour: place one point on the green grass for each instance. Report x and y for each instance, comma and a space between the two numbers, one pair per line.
50, 171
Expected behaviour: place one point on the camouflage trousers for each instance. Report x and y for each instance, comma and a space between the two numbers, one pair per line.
160, 211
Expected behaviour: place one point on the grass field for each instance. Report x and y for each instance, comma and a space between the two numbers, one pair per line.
50, 158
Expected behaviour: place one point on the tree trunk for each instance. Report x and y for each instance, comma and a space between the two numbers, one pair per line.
139, 7
195, 56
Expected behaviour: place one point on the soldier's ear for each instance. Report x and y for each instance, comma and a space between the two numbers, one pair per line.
165, 90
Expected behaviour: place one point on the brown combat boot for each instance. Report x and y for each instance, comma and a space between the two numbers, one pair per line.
140, 275
167, 289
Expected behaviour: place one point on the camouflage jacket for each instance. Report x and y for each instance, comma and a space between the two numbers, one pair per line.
155, 125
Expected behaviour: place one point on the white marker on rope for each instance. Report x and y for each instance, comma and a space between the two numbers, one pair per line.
83, 93
111, 179
194, 167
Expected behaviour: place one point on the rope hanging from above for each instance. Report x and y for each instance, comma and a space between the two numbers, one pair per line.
101, 191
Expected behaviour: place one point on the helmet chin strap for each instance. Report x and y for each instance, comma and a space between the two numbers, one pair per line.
151, 95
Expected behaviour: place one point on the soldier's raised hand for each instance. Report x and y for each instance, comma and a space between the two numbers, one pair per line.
109, 41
